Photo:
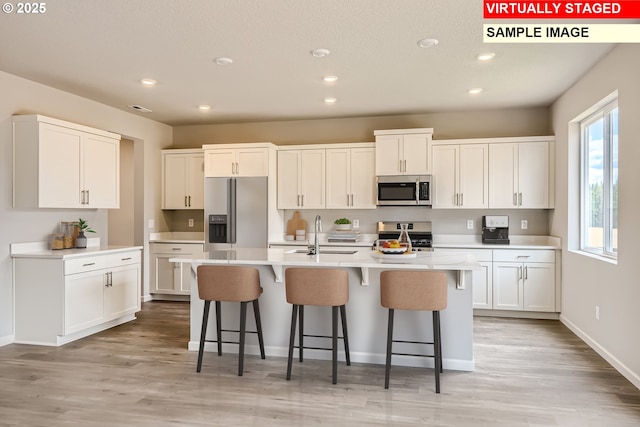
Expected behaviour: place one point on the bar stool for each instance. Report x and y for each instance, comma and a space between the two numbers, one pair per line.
414, 290
229, 284
318, 287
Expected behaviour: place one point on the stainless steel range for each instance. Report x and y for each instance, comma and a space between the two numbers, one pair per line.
419, 233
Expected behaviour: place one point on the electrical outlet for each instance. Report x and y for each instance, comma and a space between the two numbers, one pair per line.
524, 224
190, 222
469, 224
597, 312
152, 223
355, 223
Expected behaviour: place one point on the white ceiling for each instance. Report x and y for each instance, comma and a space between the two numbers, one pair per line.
100, 49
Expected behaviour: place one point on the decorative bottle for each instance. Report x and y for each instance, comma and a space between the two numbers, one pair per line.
404, 239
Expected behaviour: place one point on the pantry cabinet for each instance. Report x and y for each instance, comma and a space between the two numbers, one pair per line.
403, 151
350, 178
236, 160
58, 164
460, 176
301, 179
182, 179
171, 278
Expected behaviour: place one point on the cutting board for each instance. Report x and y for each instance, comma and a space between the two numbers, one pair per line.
296, 223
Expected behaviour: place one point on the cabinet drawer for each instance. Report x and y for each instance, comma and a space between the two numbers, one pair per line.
524, 255
176, 248
84, 264
481, 255
123, 258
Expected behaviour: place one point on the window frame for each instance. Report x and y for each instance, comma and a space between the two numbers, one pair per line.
603, 113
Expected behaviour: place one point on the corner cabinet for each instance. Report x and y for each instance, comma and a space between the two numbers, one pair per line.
460, 176
350, 178
59, 300
182, 179
403, 151
168, 278
236, 160
301, 178
58, 164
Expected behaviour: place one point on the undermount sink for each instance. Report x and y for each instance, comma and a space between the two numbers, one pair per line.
323, 251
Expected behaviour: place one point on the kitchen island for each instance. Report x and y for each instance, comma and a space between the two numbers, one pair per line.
367, 319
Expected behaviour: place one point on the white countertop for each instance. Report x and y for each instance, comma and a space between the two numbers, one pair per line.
177, 237
42, 250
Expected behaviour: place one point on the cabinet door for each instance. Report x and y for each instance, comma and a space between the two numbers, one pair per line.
164, 273
83, 300
252, 162
416, 154
312, 179
507, 286
338, 184
445, 176
483, 286
219, 163
195, 181
473, 176
59, 167
101, 172
533, 174
503, 178
288, 179
388, 161
363, 178
539, 287
174, 195
122, 296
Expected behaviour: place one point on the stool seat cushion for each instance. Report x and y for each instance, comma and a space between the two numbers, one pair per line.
413, 290
317, 286
228, 283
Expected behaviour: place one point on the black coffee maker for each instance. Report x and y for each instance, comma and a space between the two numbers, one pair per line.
495, 229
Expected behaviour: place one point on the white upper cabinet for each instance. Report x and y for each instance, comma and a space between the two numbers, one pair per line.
301, 179
519, 175
182, 179
350, 178
460, 176
58, 164
235, 160
403, 151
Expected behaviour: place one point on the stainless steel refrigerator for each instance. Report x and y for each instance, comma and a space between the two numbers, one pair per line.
235, 213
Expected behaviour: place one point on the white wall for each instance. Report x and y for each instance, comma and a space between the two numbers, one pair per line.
20, 96
588, 282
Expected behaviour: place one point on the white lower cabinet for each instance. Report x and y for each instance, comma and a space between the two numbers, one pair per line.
482, 280
168, 277
60, 300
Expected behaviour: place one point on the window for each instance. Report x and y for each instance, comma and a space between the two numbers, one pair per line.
599, 183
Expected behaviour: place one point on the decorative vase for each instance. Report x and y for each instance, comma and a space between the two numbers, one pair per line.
81, 240
343, 227
404, 239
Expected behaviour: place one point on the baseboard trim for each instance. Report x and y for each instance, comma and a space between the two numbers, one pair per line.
543, 315
610, 358
6, 340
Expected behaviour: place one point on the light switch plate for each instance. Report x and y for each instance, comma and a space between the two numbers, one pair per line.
524, 224
190, 222
355, 223
469, 224
152, 223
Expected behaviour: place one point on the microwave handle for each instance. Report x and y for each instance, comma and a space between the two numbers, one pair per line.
417, 191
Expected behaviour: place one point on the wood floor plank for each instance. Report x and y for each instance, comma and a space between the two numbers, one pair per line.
529, 373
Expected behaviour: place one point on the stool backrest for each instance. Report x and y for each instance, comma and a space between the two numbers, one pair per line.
413, 290
228, 283
317, 286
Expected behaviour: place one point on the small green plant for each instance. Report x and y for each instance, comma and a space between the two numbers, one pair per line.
84, 226
342, 221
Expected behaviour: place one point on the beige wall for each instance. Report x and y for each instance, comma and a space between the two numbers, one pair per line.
121, 221
588, 282
20, 96
478, 124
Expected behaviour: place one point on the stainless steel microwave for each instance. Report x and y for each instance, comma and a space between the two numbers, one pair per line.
404, 190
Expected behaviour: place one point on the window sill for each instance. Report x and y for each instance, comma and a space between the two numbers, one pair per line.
603, 258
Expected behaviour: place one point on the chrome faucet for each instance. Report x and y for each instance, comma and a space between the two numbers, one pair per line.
315, 248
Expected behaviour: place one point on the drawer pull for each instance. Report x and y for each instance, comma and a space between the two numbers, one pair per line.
88, 264
176, 249
523, 256
125, 259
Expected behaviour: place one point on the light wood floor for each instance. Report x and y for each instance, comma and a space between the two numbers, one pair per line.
529, 373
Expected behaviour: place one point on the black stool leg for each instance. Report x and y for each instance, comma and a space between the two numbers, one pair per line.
345, 336
203, 333
387, 368
219, 326
436, 349
440, 341
243, 328
292, 336
334, 343
301, 332
256, 313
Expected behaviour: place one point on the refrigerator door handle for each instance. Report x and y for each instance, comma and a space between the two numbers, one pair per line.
232, 210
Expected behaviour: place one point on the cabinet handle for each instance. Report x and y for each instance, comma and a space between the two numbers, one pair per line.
526, 272
302, 198
405, 166
520, 199
189, 201
298, 200
348, 200
87, 197
173, 249
523, 256
515, 199
125, 259
520, 272
456, 199
88, 264
400, 165
82, 197
233, 168
461, 199
237, 168
185, 201
352, 200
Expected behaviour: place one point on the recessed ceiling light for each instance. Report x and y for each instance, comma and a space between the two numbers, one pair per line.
223, 60
485, 56
330, 100
204, 107
475, 91
319, 53
330, 79
148, 82
426, 43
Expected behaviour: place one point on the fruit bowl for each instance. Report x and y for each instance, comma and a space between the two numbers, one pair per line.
394, 251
